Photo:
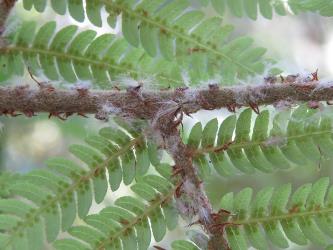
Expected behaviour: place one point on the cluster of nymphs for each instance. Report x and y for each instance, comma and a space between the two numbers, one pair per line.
184, 100
295, 79
190, 202
243, 98
47, 87
289, 79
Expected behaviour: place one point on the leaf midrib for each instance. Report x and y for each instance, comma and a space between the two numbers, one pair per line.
138, 218
90, 61
283, 216
256, 143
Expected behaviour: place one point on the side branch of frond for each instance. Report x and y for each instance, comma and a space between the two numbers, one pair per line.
191, 199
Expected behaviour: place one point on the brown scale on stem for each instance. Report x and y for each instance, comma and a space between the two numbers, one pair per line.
315, 76
217, 226
205, 103
68, 114
254, 107
82, 115
224, 147
115, 87
42, 85
177, 170
9, 112
231, 107
210, 149
29, 113
59, 115
178, 190
82, 92
159, 248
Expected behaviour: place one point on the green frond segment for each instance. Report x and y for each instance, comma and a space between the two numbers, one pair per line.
183, 245
325, 8
7, 179
177, 32
196, 43
302, 137
75, 8
238, 8
131, 222
53, 197
70, 56
275, 216
266, 8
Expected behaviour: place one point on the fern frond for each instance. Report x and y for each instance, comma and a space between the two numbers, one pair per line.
177, 32
304, 216
71, 55
75, 8
238, 8
323, 7
185, 35
131, 222
252, 8
234, 145
64, 190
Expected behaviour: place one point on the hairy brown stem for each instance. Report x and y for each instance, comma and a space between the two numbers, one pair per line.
144, 104
191, 197
191, 194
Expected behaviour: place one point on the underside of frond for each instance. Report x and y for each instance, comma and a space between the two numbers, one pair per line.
171, 29
300, 138
266, 8
275, 216
54, 196
70, 56
131, 222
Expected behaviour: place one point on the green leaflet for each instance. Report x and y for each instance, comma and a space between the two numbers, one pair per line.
62, 191
234, 147
178, 33
75, 56
6, 180
164, 26
266, 8
75, 8
183, 245
278, 216
239, 8
188, 45
131, 221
